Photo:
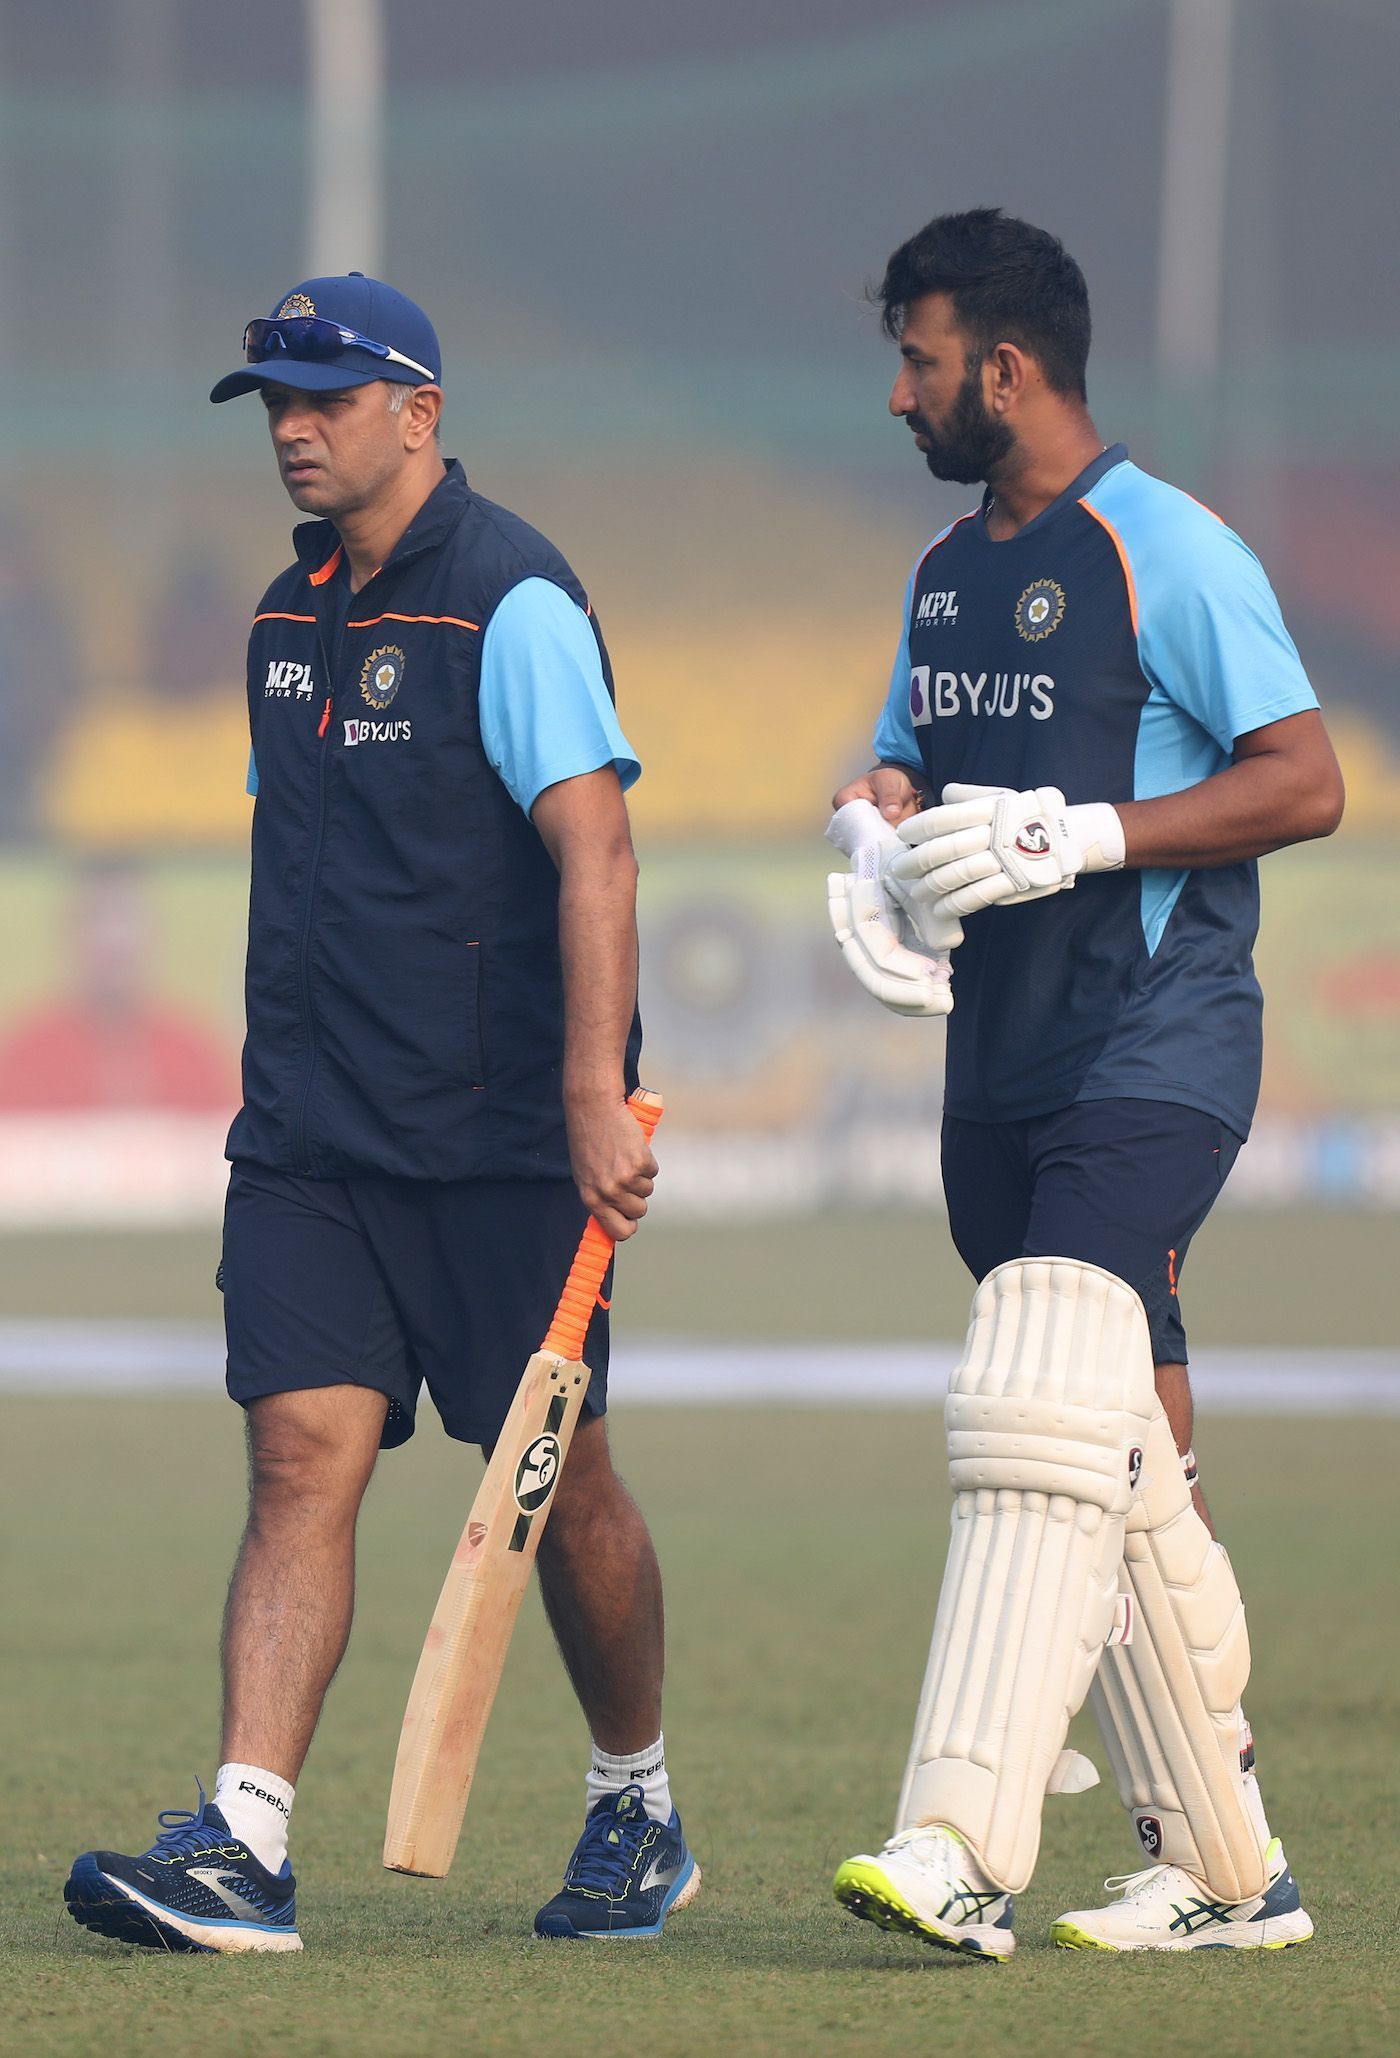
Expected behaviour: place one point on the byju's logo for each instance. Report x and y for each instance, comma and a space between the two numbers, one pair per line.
378, 732
936, 607
943, 696
285, 678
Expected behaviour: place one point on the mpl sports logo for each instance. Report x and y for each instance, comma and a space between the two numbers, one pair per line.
377, 732
936, 607
284, 678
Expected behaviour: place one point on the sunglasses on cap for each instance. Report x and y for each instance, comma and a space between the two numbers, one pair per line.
313, 340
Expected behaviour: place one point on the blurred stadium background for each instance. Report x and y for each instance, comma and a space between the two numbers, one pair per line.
644, 235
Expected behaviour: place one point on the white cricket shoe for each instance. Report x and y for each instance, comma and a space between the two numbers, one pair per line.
927, 1883
1167, 1909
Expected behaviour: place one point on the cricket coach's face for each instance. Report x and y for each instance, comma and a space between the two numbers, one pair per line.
350, 375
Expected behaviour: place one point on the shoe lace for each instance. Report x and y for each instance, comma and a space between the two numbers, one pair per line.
923, 1840
1129, 1883
182, 1829
612, 1837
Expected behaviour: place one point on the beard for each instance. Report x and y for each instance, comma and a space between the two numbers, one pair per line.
972, 442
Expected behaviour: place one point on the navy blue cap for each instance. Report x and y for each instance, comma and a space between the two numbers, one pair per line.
368, 305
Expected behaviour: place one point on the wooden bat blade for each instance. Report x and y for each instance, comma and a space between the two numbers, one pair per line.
465, 1648
466, 1644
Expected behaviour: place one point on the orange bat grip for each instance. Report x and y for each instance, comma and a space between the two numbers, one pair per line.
591, 1261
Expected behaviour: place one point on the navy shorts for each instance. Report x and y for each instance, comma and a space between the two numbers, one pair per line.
1124, 1184
394, 1283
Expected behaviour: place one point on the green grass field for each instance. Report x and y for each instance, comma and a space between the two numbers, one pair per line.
801, 1551
1311, 1278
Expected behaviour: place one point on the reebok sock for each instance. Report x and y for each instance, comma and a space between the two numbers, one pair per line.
257, 1806
645, 1768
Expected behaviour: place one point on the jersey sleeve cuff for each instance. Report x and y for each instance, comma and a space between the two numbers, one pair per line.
628, 770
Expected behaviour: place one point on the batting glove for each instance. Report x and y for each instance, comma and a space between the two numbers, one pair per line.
896, 948
989, 846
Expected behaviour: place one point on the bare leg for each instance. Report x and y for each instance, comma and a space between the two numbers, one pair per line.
1174, 1392
293, 1589
602, 1593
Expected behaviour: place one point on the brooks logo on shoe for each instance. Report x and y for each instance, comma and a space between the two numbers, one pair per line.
220, 1884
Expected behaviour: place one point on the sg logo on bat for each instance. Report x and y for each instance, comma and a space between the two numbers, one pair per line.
536, 1473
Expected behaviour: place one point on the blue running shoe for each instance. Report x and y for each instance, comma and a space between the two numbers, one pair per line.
626, 1876
198, 1888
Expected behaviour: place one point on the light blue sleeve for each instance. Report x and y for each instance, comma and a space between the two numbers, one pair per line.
895, 741
252, 786
1210, 634
544, 707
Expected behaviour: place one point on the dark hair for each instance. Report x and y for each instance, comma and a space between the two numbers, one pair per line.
1009, 283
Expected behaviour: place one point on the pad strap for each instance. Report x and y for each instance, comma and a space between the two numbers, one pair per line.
1167, 1703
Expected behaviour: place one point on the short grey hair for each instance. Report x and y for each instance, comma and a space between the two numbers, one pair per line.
396, 392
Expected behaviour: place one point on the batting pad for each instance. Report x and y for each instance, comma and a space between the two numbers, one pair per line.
1047, 1421
1167, 1704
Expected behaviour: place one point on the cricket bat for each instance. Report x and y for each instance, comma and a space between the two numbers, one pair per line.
465, 1648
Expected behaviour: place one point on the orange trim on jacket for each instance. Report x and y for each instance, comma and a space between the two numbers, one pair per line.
327, 571
452, 621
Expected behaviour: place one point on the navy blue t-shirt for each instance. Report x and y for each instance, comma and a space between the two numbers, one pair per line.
1115, 647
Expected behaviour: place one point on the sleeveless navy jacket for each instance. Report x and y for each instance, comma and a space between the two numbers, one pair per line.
404, 991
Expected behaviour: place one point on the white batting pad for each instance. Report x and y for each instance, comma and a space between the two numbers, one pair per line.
1167, 1704
1047, 1420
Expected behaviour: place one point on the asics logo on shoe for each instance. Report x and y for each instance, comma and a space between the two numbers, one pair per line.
964, 1905
661, 1873
219, 1883
1198, 1914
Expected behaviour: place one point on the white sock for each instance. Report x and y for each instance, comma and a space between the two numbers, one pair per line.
645, 1768
257, 1806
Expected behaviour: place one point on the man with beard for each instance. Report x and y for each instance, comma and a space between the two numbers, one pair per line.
1095, 690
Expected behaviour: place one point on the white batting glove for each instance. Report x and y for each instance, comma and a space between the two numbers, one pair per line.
899, 956
988, 846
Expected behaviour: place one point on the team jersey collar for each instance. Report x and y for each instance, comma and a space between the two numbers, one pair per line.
317, 544
1116, 453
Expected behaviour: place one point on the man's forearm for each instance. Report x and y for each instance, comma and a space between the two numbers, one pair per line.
598, 948
1254, 806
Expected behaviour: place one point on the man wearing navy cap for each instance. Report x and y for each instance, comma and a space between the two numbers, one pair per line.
442, 1035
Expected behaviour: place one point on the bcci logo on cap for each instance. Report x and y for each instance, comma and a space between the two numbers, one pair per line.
381, 675
295, 303
1040, 610
536, 1473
